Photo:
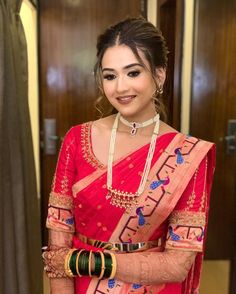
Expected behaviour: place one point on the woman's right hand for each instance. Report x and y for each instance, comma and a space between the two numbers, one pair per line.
54, 261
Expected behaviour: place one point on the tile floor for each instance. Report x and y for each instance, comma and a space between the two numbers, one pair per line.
215, 278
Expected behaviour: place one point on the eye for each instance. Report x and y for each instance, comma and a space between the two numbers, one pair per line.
109, 77
133, 73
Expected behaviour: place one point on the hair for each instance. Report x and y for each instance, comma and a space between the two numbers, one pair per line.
137, 34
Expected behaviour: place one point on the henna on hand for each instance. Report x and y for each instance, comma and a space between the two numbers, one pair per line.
54, 261
147, 268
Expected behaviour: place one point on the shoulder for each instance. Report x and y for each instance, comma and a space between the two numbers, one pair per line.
103, 125
165, 129
188, 141
105, 122
99, 125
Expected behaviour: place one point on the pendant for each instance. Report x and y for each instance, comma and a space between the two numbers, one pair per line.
122, 199
133, 129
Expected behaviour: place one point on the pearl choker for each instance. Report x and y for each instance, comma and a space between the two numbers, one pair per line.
124, 199
134, 125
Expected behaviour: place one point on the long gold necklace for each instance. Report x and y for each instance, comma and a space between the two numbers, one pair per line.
120, 198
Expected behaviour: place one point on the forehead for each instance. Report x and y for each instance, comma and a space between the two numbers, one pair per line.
119, 56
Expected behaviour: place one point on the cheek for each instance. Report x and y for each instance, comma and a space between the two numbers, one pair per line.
108, 89
146, 88
145, 84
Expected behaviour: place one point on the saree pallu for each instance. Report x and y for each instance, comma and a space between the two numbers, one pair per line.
172, 209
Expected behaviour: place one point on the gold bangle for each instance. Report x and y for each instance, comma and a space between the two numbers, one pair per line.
102, 266
68, 272
77, 262
67, 263
114, 265
89, 263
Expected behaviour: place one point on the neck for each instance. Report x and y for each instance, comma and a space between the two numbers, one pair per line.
139, 118
135, 125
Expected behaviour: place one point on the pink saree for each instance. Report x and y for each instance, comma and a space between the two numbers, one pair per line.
173, 208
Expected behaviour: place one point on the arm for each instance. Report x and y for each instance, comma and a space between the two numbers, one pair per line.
60, 219
170, 266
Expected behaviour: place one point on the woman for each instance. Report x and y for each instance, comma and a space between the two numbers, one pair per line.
130, 193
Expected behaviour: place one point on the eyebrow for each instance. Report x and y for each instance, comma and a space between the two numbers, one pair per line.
125, 67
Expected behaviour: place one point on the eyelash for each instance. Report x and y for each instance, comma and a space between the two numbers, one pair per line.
134, 73
131, 74
109, 77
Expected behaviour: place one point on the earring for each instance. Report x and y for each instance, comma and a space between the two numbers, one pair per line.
160, 90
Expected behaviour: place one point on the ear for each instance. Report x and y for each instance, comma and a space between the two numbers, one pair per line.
160, 76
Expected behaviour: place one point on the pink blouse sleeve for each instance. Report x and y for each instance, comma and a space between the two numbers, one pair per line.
60, 207
188, 222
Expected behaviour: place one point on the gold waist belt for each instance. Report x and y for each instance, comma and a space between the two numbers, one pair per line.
124, 247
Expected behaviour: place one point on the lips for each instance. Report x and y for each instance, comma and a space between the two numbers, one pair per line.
125, 99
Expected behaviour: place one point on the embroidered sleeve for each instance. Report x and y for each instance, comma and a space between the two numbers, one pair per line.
187, 223
60, 206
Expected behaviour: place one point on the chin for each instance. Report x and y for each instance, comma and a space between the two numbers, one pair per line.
127, 113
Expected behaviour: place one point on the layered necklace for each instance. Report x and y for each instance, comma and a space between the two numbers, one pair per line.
120, 198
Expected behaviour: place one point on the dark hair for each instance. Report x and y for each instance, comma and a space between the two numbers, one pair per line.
136, 33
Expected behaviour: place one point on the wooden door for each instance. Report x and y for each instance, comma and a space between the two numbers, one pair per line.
213, 105
67, 49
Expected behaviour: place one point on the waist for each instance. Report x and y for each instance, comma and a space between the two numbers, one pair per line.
123, 247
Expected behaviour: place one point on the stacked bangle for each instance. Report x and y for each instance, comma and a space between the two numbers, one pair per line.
102, 265
108, 265
67, 263
97, 263
84, 263
79, 263
114, 266
90, 263
72, 262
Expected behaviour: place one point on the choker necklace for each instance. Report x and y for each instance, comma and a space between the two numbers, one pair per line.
135, 126
124, 199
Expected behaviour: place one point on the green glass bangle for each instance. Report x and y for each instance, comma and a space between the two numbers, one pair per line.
98, 264
108, 265
72, 262
84, 263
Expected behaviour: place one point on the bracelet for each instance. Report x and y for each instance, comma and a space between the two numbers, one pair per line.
77, 262
114, 266
108, 265
67, 263
72, 262
98, 264
89, 263
102, 265
84, 263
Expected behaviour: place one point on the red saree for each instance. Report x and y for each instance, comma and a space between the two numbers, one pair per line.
173, 208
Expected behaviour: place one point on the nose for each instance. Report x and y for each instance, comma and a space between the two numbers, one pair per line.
121, 85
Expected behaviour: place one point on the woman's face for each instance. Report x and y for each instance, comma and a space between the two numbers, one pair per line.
127, 84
